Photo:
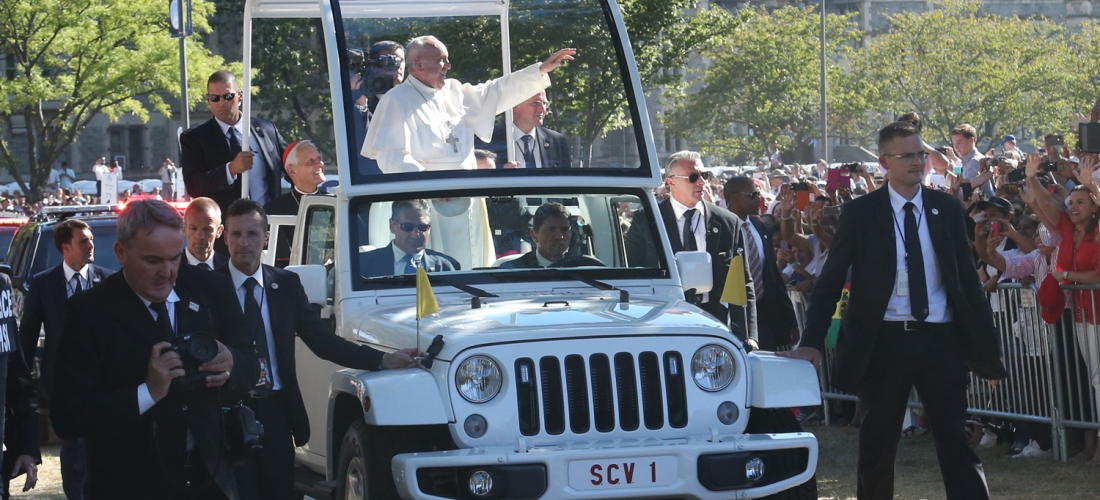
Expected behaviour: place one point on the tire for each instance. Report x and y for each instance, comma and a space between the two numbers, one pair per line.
363, 476
775, 421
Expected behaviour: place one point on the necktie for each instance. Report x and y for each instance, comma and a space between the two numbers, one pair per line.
914, 261
234, 142
79, 284
254, 324
688, 238
528, 151
164, 323
204, 266
756, 261
410, 265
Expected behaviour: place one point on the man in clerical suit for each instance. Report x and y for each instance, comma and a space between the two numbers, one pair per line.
202, 224
151, 419
275, 310
409, 223
44, 311
917, 318
694, 224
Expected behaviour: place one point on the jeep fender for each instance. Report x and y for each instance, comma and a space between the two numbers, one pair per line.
781, 382
397, 397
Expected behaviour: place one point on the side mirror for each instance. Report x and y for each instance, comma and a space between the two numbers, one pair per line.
695, 271
315, 281
6, 269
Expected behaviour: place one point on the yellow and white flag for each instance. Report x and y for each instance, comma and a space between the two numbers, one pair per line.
425, 297
734, 293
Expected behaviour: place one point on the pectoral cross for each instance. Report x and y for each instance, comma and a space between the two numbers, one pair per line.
453, 141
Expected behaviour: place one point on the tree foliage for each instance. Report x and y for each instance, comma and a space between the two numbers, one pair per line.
75, 59
954, 65
764, 74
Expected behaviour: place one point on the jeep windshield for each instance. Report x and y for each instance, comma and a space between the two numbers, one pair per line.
489, 236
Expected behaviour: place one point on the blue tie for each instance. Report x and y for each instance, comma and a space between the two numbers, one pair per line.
234, 142
410, 265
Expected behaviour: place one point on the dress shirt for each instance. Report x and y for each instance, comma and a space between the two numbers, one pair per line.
257, 177
698, 222
972, 167
260, 294
194, 261
518, 134
399, 260
70, 288
543, 261
145, 400
898, 308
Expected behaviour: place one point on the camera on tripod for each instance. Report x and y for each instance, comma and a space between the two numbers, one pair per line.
378, 73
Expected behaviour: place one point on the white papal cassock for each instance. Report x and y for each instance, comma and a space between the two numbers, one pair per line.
416, 127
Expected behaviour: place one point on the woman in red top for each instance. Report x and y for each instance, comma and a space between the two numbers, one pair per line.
1078, 261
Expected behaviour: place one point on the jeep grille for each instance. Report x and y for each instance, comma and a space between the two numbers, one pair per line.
578, 393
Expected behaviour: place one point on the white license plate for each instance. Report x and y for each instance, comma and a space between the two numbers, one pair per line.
611, 473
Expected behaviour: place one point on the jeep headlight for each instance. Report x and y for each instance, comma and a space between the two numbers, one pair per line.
478, 379
712, 367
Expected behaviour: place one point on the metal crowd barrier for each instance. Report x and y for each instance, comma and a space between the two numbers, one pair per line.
1053, 369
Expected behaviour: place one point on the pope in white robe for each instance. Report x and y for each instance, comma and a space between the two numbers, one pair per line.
428, 122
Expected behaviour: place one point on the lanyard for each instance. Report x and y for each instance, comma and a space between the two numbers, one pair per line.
901, 233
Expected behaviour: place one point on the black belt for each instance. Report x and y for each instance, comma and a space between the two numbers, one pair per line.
913, 326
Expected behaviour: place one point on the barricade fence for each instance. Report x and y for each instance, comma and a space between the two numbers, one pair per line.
1053, 369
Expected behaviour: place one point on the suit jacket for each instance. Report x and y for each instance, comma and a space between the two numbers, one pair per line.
45, 305
219, 261
774, 310
552, 148
291, 313
866, 236
204, 151
379, 262
102, 362
528, 261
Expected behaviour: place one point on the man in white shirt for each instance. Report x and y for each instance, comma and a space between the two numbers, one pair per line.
533, 145
428, 122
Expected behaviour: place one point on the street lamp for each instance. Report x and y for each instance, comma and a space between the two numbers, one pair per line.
824, 106
179, 26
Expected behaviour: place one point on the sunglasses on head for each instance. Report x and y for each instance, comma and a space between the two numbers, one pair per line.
409, 226
694, 177
217, 97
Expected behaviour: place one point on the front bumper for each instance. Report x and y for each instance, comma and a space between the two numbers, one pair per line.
692, 468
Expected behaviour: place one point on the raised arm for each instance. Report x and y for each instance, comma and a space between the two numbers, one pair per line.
786, 220
1039, 198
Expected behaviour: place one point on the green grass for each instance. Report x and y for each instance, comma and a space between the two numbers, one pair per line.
918, 474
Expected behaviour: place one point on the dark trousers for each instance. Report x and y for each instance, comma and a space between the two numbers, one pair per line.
929, 359
74, 468
269, 475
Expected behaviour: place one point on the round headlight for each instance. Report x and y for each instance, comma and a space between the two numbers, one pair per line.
478, 379
712, 367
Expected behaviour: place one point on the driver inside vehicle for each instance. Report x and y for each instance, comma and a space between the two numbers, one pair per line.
552, 231
410, 223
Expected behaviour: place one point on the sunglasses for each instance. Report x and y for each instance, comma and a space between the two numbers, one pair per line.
694, 177
754, 194
216, 97
409, 226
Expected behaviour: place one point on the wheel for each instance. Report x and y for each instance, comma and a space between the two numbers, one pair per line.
577, 261
362, 476
775, 421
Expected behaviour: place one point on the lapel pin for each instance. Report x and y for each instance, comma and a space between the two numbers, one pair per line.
274, 286
193, 306
95, 279
714, 230
935, 211
546, 144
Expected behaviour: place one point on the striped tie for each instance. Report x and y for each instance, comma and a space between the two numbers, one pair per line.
756, 261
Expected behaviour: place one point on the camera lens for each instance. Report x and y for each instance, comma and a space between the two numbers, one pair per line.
201, 347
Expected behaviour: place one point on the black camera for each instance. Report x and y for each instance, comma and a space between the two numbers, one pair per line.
1049, 166
853, 167
195, 349
377, 72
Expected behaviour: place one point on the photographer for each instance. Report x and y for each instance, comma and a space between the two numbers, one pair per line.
145, 360
377, 71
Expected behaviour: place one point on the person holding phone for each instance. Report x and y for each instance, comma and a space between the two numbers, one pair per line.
964, 138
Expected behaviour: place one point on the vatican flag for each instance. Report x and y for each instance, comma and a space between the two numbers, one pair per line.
734, 292
425, 297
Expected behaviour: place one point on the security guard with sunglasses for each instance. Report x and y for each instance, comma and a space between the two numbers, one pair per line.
409, 223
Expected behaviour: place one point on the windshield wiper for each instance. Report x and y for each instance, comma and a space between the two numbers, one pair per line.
477, 293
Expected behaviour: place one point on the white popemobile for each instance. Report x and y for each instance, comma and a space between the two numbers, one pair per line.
589, 378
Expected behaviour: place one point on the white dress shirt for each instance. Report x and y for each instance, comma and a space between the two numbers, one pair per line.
698, 222
257, 177
260, 295
399, 260
518, 134
194, 261
145, 400
898, 308
70, 286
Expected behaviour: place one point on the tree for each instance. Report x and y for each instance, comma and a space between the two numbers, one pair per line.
75, 59
953, 65
766, 74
